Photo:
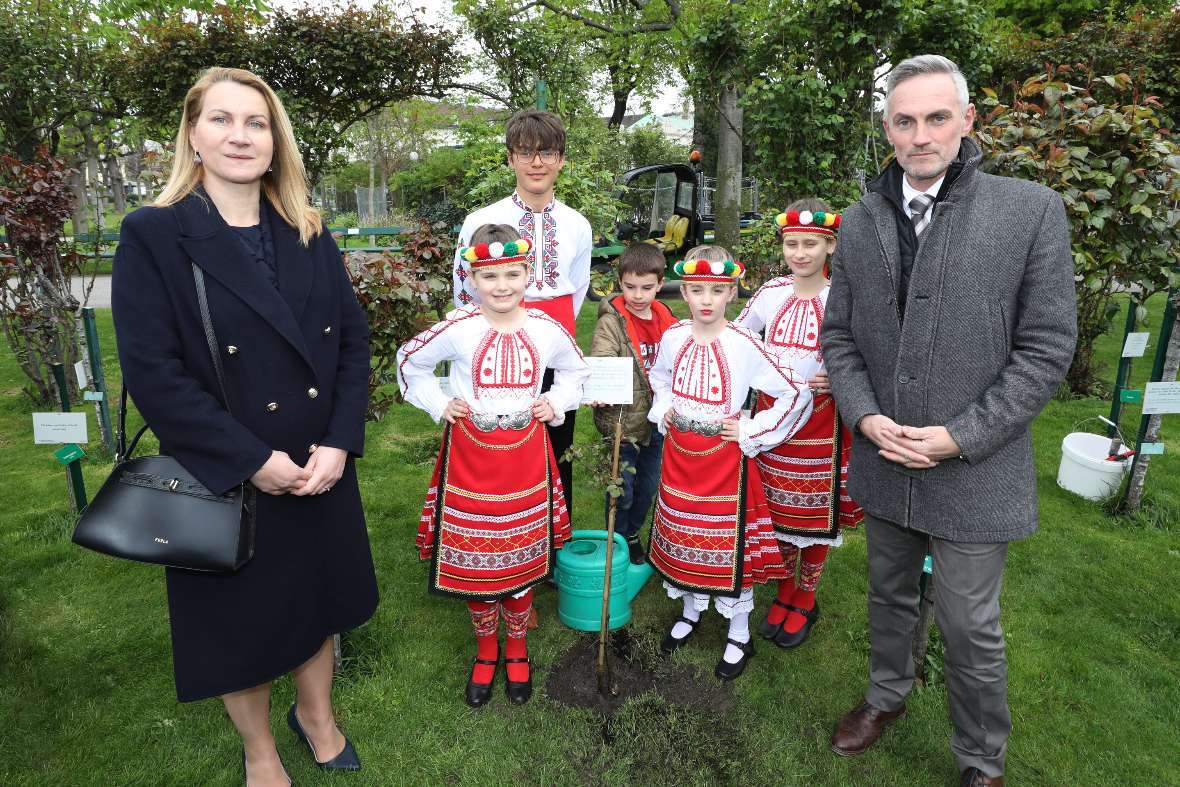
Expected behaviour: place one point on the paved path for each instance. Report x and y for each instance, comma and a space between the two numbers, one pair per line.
100, 296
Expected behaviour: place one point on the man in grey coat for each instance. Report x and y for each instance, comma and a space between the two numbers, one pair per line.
951, 321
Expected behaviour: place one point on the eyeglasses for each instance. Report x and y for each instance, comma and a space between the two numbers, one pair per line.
547, 156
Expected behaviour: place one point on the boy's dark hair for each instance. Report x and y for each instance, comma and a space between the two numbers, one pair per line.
807, 203
532, 129
494, 233
642, 259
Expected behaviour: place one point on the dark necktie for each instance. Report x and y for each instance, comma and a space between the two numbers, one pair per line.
920, 212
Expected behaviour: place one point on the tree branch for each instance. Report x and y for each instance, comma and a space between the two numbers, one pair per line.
651, 27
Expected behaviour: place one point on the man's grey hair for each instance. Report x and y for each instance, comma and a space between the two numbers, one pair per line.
927, 64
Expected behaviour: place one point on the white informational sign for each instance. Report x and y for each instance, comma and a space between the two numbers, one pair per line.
1135, 345
59, 428
1161, 398
610, 381
80, 372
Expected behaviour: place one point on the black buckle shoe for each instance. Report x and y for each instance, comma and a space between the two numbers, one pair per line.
346, 760
479, 694
518, 691
787, 640
727, 671
670, 644
770, 630
635, 552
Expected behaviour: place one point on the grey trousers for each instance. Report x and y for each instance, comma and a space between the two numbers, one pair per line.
967, 579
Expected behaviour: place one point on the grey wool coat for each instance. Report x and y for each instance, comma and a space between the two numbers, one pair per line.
988, 333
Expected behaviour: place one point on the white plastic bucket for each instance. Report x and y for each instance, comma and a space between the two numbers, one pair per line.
1084, 469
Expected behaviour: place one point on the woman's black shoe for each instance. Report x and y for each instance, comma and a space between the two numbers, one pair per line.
518, 691
671, 644
346, 760
770, 630
478, 694
786, 640
727, 671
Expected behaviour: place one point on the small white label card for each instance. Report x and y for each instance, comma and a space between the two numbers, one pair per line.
1135, 345
1161, 398
610, 381
80, 373
59, 428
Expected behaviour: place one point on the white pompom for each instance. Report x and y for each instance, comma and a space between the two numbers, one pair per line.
718, 268
805, 217
496, 250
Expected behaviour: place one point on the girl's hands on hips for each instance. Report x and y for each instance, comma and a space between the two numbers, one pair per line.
543, 410
456, 408
729, 430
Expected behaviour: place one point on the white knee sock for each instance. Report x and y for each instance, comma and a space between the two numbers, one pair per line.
739, 631
681, 629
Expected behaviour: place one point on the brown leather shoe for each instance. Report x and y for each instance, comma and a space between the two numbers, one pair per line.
973, 777
860, 728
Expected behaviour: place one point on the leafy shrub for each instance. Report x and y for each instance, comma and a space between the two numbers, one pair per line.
1100, 145
401, 293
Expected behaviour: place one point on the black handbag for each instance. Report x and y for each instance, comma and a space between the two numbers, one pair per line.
150, 509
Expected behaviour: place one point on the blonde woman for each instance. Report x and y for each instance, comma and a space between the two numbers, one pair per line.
293, 346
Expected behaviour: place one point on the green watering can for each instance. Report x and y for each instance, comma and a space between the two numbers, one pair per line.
581, 565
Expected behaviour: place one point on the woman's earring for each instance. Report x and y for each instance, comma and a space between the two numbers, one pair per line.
197, 156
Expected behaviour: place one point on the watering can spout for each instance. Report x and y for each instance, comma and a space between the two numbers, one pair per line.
637, 576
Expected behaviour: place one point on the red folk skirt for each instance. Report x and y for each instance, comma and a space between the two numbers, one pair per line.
494, 513
806, 477
711, 532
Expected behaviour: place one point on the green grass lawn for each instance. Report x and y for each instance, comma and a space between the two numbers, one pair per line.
1091, 616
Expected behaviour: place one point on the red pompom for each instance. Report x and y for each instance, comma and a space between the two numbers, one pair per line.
481, 251
792, 217
837, 224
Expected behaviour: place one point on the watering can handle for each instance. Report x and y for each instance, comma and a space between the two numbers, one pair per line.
620, 542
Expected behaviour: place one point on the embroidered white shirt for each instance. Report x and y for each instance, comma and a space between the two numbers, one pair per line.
711, 382
494, 372
562, 242
789, 324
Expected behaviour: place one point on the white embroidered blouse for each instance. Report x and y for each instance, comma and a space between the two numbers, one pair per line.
791, 324
711, 382
561, 240
496, 373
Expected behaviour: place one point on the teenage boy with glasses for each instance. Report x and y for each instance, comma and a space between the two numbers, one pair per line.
559, 268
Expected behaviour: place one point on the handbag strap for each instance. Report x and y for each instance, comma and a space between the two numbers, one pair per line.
122, 451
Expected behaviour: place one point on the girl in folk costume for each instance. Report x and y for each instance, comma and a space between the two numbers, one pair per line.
495, 510
711, 534
805, 475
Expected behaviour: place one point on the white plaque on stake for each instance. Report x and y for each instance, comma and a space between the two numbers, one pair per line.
59, 428
1135, 345
1161, 398
610, 380
80, 373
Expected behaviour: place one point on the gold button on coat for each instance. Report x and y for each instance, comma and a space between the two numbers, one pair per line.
312, 393
232, 350
327, 330
270, 408
311, 448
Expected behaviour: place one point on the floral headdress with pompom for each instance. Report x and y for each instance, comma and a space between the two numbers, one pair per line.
727, 272
489, 255
818, 223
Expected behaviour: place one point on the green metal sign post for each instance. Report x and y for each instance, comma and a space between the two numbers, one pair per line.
1157, 369
102, 405
71, 458
1116, 406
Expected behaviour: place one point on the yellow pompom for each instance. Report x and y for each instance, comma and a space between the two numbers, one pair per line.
469, 254
829, 219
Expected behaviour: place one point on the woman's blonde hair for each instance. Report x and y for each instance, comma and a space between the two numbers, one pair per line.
285, 185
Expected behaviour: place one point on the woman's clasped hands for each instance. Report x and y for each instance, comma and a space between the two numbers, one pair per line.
281, 475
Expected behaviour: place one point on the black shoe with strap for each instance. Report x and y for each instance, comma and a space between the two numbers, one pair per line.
727, 671
346, 760
478, 694
770, 630
518, 691
635, 552
786, 639
671, 644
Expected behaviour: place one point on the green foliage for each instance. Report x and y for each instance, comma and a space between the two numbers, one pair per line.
401, 293
332, 68
1052, 18
1099, 144
761, 252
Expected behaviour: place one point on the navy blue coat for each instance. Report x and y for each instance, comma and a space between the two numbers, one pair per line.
296, 361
